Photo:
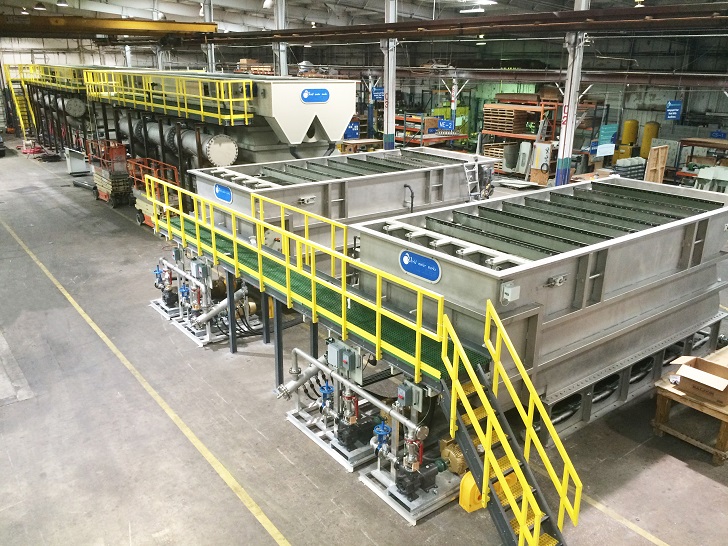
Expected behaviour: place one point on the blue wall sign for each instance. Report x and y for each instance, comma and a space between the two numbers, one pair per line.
673, 110
223, 193
717, 134
315, 96
445, 125
352, 131
378, 93
420, 266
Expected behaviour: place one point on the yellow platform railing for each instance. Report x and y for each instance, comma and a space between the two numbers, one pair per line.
225, 101
209, 225
300, 257
496, 338
68, 78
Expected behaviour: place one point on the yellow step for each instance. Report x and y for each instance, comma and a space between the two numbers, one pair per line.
513, 485
543, 540
469, 388
504, 464
479, 415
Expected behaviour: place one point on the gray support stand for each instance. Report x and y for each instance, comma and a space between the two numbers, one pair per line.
278, 340
313, 340
230, 281
575, 46
264, 316
389, 48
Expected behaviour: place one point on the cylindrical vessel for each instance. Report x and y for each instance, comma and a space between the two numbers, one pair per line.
651, 130
134, 131
630, 128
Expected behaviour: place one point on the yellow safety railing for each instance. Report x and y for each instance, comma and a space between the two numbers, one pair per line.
68, 78
302, 257
299, 257
534, 408
528, 507
21, 103
225, 101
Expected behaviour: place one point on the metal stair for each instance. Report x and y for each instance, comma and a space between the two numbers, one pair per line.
499, 505
499, 476
21, 106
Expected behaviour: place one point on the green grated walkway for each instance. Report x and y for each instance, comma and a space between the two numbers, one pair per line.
357, 314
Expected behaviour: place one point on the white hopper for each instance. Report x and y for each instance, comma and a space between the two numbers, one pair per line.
292, 105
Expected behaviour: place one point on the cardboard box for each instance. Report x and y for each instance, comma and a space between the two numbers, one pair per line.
703, 379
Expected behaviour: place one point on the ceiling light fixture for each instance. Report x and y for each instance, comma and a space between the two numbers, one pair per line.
472, 10
24, 12
481, 43
639, 3
62, 4
39, 7
267, 4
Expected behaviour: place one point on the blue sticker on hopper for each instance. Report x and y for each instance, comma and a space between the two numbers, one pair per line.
223, 193
420, 266
315, 96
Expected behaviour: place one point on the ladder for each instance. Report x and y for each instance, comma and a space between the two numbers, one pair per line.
23, 114
500, 477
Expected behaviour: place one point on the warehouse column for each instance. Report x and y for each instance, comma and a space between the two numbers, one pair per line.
209, 48
232, 331
281, 48
389, 48
575, 45
278, 340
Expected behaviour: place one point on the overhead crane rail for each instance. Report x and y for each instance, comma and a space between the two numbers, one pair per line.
221, 100
425, 350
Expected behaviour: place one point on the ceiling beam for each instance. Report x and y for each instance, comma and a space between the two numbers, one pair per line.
696, 18
30, 26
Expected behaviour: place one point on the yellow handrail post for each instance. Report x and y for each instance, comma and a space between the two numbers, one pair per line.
314, 304
344, 326
418, 339
378, 327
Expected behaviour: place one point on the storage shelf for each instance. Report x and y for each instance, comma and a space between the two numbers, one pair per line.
522, 136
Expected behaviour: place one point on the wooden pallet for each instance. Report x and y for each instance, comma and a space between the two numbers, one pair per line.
114, 184
656, 163
504, 120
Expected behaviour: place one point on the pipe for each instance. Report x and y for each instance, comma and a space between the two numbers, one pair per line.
184, 274
217, 308
284, 391
412, 198
419, 431
330, 149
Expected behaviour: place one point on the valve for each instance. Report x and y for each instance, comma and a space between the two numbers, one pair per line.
327, 392
159, 282
382, 431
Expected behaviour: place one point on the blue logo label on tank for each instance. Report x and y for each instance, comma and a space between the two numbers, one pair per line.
420, 266
315, 96
223, 193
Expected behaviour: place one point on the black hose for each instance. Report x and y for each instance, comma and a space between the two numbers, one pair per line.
294, 152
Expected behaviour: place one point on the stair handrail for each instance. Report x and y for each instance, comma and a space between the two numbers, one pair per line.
9, 81
529, 505
569, 476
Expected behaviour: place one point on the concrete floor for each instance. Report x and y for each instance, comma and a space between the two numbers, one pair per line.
87, 456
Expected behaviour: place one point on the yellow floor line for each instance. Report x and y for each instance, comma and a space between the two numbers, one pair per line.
611, 513
624, 521
223, 472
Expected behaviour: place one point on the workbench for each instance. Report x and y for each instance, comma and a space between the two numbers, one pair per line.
667, 393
